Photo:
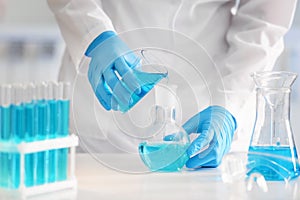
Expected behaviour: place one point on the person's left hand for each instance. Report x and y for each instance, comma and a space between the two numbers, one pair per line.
215, 126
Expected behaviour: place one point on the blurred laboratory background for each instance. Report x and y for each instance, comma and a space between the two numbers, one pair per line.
31, 48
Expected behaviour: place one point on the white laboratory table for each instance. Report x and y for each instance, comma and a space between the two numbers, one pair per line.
97, 181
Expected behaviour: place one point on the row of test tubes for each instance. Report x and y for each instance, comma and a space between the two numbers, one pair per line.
28, 113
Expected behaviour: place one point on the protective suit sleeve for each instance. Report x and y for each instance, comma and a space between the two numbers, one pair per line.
255, 40
80, 23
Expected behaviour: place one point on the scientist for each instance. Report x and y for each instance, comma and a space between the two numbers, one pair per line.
240, 36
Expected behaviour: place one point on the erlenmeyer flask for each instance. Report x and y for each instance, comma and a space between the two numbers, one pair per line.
164, 149
272, 150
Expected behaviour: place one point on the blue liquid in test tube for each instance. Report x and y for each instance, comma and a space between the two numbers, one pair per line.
53, 105
63, 131
4, 136
18, 122
15, 170
42, 130
30, 134
18, 130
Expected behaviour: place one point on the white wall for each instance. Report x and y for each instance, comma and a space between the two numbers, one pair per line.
28, 12
290, 60
30, 42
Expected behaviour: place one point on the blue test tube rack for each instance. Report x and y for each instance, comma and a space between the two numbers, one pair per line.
37, 152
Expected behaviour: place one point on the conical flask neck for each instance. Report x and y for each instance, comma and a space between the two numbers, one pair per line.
163, 115
274, 98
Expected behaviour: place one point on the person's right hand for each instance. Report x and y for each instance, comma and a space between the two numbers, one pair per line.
111, 71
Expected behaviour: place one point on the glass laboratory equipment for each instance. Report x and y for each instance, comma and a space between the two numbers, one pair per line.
272, 151
165, 148
35, 140
147, 75
101, 131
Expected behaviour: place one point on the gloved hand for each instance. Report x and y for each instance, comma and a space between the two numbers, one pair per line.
216, 127
111, 71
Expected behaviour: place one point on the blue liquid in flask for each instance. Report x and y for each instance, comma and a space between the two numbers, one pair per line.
147, 81
164, 157
274, 163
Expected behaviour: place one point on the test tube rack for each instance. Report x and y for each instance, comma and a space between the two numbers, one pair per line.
37, 153
41, 146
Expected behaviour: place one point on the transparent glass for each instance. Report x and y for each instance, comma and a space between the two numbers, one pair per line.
147, 75
114, 131
272, 152
33, 112
233, 172
164, 148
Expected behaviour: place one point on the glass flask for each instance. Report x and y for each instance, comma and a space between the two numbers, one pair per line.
164, 149
272, 151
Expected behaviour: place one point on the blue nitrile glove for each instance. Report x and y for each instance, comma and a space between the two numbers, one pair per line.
216, 127
110, 71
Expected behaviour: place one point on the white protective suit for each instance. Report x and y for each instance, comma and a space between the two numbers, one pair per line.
251, 40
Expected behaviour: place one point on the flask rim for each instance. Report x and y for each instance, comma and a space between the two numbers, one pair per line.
265, 74
278, 80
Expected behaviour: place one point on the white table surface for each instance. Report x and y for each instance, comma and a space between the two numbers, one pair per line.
96, 181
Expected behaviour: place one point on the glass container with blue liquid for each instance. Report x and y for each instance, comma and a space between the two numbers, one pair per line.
29, 114
164, 149
272, 151
148, 74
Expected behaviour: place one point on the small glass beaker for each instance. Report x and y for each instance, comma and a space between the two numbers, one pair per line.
147, 73
272, 151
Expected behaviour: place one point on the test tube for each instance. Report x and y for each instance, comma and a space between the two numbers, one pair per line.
5, 102
17, 131
64, 107
63, 128
5, 133
30, 132
1, 125
53, 106
18, 114
42, 109
29, 107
